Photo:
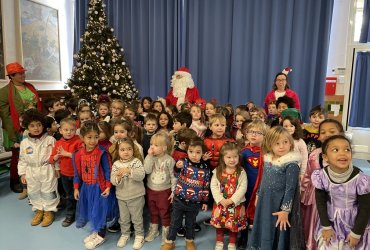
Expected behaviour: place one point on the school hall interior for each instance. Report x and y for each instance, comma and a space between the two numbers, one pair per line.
233, 49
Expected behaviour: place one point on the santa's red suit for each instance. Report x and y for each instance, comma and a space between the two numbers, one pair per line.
182, 88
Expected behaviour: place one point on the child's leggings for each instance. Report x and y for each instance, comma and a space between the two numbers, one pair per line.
220, 232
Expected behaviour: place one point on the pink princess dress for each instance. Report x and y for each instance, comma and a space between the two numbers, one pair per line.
343, 208
308, 204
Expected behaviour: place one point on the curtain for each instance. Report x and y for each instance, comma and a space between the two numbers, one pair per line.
359, 115
147, 30
365, 28
234, 48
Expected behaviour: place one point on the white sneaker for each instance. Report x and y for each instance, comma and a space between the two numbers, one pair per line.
219, 245
138, 243
94, 242
123, 240
231, 246
88, 238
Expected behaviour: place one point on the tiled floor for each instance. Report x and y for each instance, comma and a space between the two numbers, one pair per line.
16, 233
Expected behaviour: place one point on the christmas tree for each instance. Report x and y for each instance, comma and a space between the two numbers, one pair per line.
99, 65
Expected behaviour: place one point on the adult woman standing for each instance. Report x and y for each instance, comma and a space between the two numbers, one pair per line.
281, 88
15, 98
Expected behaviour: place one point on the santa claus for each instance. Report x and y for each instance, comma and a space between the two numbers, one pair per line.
182, 88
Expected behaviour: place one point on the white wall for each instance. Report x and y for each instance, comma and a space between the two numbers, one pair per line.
340, 55
338, 40
12, 36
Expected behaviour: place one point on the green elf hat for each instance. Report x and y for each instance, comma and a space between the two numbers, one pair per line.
292, 112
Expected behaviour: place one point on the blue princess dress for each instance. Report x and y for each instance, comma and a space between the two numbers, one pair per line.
279, 191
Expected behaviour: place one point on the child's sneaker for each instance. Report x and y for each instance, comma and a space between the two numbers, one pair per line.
48, 218
123, 240
181, 232
68, 221
207, 222
37, 218
197, 228
231, 246
94, 242
88, 238
219, 245
138, 243
114, 228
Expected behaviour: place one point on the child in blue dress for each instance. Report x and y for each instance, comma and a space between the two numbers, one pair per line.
277, 220
92, 169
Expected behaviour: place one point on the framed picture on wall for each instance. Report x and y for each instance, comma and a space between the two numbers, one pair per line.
40, 44
2, 67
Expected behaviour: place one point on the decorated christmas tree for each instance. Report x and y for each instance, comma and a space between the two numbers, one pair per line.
99, 65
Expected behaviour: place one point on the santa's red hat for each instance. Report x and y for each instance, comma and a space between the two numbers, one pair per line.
183, 71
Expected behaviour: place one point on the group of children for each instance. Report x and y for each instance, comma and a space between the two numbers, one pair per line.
253, 170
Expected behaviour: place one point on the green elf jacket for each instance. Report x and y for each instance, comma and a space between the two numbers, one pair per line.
7, 116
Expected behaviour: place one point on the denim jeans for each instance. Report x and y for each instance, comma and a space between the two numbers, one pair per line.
179, 209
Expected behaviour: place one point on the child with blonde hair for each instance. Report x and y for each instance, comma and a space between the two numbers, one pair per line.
62, 155
228, 186
161, 183
277, 218
252, 162
127, 175
117, 106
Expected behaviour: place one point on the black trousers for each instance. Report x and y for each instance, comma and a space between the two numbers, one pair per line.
179, 209
67, 182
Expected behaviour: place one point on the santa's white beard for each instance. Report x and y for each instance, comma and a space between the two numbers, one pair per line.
180, 86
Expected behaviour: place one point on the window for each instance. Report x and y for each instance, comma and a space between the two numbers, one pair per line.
359, 10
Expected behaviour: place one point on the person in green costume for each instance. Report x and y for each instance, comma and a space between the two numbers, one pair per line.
15, 98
